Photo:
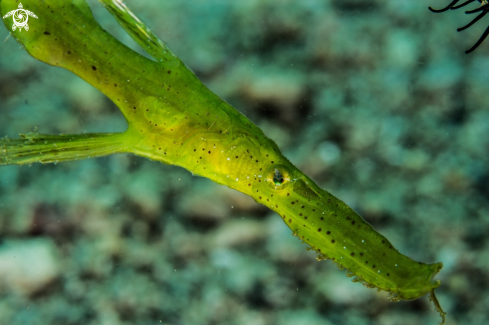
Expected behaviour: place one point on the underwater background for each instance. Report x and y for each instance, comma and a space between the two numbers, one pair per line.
375, 100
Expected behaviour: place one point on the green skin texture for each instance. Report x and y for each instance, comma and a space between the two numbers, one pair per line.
173, 118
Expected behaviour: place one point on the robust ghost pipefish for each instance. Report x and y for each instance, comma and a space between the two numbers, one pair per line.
175, 119
483, 9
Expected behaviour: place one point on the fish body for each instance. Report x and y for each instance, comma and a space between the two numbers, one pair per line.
175, 119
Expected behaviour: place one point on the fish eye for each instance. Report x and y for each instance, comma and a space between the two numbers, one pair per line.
278, 177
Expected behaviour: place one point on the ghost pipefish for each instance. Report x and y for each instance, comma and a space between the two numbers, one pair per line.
173, 118
483, 9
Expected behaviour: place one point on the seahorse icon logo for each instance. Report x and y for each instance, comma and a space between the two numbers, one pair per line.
20, 17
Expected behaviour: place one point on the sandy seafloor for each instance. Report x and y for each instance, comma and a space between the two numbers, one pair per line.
374, 100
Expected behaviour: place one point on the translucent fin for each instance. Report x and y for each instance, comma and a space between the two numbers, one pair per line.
394, 297
139, 31
349, 274
44, 148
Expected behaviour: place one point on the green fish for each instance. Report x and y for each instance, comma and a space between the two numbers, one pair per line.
175, 119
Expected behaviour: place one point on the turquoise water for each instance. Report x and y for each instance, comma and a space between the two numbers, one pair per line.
374, 100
